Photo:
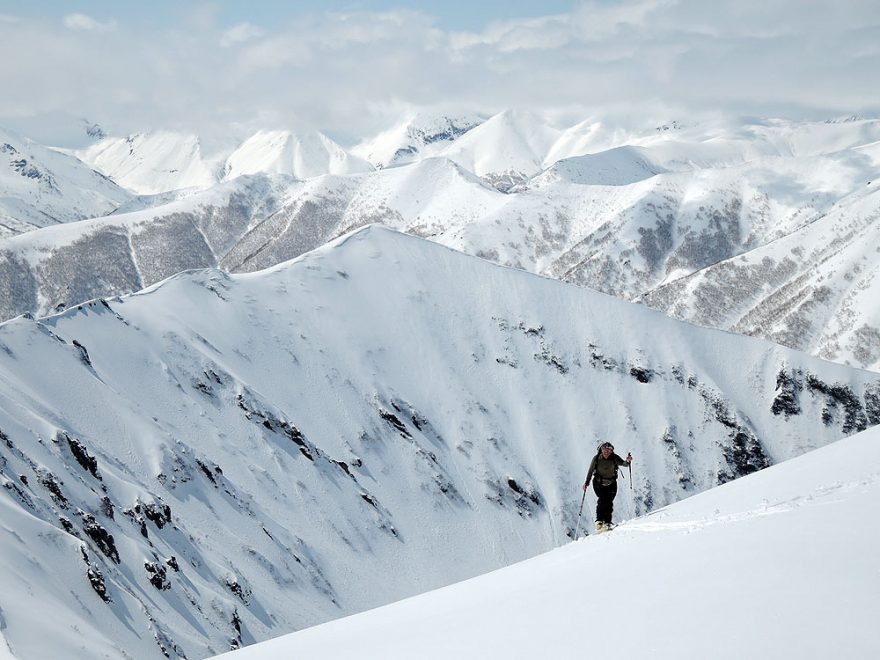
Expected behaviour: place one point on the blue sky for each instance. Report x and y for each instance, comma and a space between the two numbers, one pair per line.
352, 68
451, 14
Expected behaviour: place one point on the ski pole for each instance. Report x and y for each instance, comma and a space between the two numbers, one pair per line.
580, 511
629, 456
577, 527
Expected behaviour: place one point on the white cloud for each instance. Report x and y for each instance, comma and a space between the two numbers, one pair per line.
87, 23
240, 34
348, 74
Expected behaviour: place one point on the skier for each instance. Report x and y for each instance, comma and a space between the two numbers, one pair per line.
603, 472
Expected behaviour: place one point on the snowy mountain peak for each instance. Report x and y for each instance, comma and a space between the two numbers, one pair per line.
93, 130
505, 149
300, 155
421, 135
155, 162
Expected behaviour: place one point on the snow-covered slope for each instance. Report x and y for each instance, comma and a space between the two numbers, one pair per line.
40, 187
45, 270
303, 156
221, 459
816, 289
155, 162
778, 565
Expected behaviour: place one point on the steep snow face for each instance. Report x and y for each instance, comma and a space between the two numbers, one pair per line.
418, 137
40, 187
675, 582
815, 289
221, 459
151, 163
301, 156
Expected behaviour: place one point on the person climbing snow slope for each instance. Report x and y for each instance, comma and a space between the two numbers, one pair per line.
603, 472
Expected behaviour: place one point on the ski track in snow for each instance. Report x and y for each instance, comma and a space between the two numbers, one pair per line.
822, 495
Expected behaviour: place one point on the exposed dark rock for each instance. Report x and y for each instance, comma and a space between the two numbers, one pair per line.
83, 353
206, 471
525, 498
101, 537
139, 520
243, 593
445, 486
298, 439
166, 645
95, 577
82, 456
641, 374
599, 361
172, 564
235, 642
157, 574
679, 467
271, 423
19, 493
107, 507
53, 485
395, 422
158, 513
551, 360
529, 493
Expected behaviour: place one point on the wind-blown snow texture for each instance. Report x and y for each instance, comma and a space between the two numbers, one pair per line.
778, 565
219, 460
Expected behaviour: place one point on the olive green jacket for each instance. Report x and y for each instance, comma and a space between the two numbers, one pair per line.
605, 468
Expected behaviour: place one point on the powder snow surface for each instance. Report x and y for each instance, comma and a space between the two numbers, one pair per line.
781, 564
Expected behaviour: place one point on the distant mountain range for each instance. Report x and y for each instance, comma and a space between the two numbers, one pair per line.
151, 163
761, 214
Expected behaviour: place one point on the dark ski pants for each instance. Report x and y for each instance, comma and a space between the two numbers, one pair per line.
605, 495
